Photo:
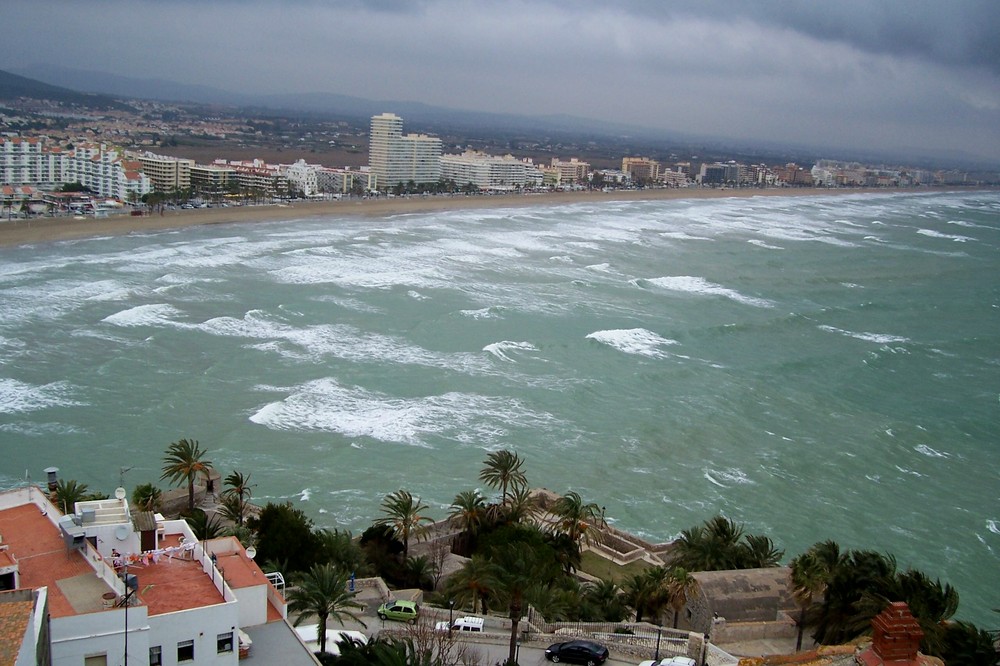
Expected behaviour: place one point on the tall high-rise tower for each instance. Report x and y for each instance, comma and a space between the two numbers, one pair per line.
395, 158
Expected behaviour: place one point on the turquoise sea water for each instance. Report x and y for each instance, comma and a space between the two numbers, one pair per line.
815, 368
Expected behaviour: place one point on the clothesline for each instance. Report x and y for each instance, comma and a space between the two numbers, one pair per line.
146, 557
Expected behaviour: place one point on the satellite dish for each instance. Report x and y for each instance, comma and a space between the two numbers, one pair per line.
120, 493
251, 552
122, 532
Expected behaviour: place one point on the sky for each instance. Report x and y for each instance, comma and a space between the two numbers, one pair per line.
900, 75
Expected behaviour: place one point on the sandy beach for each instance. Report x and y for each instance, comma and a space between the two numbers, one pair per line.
42, 230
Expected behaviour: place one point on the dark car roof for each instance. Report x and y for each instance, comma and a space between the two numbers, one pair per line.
582, 643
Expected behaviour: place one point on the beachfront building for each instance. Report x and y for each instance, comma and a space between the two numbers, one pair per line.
212, 178
116, 582
102, 169
257, 177
397, 158
168, 174
27, 161
674, 178
571, 172
346, 180
488, 172
641, 169
302, 177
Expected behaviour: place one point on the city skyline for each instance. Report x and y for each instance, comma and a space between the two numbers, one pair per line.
893, 77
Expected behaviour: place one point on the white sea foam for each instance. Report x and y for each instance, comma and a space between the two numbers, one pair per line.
340, 341
31, 429
481, 313
766, 246
929, 452
930, 233
725, 478
697, 285
993, 526
17, 397
633, 341
324, 405
500, 349
158, 314
880, 338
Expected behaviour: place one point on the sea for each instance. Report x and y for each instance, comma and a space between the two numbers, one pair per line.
821, 367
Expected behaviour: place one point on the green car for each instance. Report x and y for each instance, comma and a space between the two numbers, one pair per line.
404, 611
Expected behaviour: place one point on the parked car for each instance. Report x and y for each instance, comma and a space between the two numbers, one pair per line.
670, 661
404, 611
465, 624
577, 652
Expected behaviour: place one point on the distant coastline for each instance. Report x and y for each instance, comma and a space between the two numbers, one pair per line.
44, 230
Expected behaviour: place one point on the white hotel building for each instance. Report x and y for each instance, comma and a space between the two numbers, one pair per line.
103, 582
102, 169
488, 172
395, 158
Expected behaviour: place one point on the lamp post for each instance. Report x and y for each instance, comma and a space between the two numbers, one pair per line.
659, 632
451, 609
128, 594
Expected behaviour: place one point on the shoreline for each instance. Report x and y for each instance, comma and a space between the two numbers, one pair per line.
46, 230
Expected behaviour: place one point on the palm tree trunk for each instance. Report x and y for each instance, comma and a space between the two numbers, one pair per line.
191, 495
321, 626
802, 619
515, 619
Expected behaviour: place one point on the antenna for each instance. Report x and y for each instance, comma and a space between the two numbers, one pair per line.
121, 476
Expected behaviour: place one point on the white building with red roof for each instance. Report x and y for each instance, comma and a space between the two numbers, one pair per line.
131, 587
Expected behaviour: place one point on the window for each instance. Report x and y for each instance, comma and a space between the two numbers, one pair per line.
96, 660
224, 642
185, 651
156, 656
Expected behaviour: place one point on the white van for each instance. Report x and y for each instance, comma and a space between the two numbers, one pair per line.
465, 624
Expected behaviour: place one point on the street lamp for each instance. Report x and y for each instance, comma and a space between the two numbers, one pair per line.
451, 610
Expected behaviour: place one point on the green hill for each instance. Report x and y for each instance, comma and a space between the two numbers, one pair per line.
13, 86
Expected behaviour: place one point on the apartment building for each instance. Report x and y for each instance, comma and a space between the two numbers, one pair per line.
211, 177
100, 168
124, 586
302, 177
168, 174
571, 172
343, 181
488, 172
397, 158
641, 169
257, 176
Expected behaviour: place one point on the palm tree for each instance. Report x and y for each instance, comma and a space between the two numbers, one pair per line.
503, 470
204, 526
811, 572
322, 591
606, 600
67, 494
468, 511
521, 506
517, 568
239, 488
147, 497
403, 515
474, 581
681, 587
574, 518
183, 463
759, 552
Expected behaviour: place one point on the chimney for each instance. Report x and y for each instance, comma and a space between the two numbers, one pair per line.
896, 638
53, 478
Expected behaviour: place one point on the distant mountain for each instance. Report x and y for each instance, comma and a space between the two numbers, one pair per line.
319, 103
13, 86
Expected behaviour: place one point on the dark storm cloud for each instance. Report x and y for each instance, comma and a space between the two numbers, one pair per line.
846, 73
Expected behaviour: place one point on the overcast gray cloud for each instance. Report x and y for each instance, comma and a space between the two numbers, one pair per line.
854, 73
